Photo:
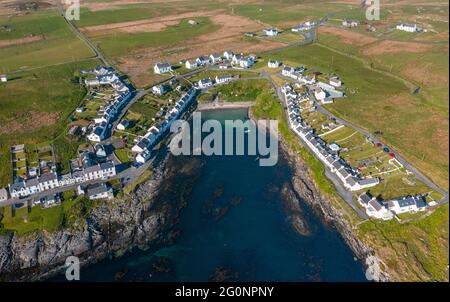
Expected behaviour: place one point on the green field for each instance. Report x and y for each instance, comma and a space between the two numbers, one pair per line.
242, 90
69, 214
56, 42
118, 44
371, 102
37, 104
415, 251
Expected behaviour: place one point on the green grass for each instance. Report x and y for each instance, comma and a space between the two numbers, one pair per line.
124, 155
118, 44
243, 90
58, 44
42, 91
70, 213
417, 250
370, 102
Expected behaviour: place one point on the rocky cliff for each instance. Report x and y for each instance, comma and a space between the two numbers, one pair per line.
308, 191
112, 228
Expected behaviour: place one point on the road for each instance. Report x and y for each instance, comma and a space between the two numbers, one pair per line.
79, 34
401, 159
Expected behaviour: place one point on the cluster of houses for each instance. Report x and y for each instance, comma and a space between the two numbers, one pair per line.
350, 23
145, 144
297, 73
327, 153
271, 32
411, 28
236, 60
219, 79
323, 92
304, 26
122, 95
84, 169
385, 209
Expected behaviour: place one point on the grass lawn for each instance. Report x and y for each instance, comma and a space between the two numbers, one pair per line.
242, 90
35, 109
117, 44
69, 214
373, 101
124, 155
56, 43
414, 251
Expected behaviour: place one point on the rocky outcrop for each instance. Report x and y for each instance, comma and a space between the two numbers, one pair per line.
111, 229
308, 191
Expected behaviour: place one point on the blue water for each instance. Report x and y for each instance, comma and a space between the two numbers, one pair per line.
237, 226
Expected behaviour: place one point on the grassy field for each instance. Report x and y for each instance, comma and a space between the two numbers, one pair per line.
118, 44
242, 91
69, 214
54, 41
379, 101
414, 251
35, 108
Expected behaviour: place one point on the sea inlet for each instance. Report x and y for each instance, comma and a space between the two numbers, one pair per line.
238, 225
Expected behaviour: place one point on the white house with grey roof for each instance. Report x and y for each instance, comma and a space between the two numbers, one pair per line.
205, 83
99, 191
161, 68
271, 32
407, 204
223, 78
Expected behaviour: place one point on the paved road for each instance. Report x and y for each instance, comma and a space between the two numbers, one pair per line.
402, 160
346, 195
78, 33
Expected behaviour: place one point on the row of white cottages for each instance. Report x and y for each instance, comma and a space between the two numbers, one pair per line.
237, 60
384, 209
145, 144
51, 181
219, 79
349, 177
107, 76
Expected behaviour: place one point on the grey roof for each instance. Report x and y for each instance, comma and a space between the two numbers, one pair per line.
368, 181
345, 173
143, 143
365, 197
107, 165
420, 202
48, 177
338, 165
17, 186
32, 182
163, 65
375, 204
406, 202
351, 180
330, 159
97, 189
92, 169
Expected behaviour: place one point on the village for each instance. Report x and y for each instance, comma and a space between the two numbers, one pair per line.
117, 142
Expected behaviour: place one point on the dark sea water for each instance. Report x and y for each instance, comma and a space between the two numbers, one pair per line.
237, 226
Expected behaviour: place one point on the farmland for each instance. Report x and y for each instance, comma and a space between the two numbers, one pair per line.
416, 130
28, 46
35, 109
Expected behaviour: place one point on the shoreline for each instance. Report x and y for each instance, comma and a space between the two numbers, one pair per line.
223, 105
307, 190
107, 244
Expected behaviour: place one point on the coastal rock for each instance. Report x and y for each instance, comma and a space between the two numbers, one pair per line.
110, 229
307, 191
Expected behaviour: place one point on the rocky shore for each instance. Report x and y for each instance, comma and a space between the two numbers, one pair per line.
308, 191
149, 217
145, 219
